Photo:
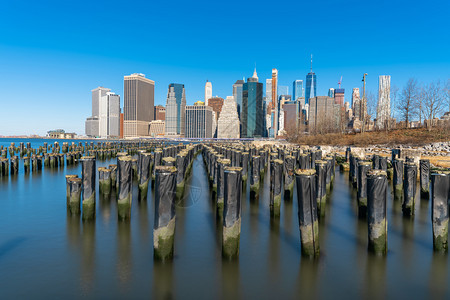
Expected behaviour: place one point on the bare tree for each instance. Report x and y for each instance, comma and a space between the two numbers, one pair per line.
371, 103
394, 96
433, 100
407, 105
447, 93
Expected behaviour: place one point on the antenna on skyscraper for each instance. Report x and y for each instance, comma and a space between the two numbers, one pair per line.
311, 63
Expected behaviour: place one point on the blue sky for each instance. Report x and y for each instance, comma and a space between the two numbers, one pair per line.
53, 53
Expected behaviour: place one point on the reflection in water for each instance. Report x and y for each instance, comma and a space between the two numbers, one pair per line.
307, 278
73, 230
230, 280
88, 258
438, 277
105, 205
376, 277
162, 280
143, 222
124, 262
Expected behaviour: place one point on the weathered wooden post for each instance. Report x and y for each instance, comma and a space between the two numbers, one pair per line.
398, 166
425, 178
144, 174
363, 169
113, 169
321, 191
440, 182
307, 212
75, 187
125, 187
164, 226
104, 181
409, 188
289, 176
232, 212
68, 177
222, 164
255, 178
276, 176
376, 209
88, 177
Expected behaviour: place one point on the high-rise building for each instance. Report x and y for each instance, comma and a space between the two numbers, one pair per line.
311, 85
339, 96
157, 128
273, 109
109, 118
283, 90
237, 95
199, 121
208, 91
291, 116
281, 101
216, 103
252, 116
384, 101
228, 123
105, 119
175, 110
160, 113
297, 89
138, 109
324, 115
356, 103
331, 93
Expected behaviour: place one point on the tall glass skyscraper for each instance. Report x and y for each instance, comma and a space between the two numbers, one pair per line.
252, 114
237, 94
175, 110
311, 86
297, 89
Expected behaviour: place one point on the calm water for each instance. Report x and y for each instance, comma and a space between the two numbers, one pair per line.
46, 253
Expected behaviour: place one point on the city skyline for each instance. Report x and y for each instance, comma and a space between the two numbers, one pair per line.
60, 69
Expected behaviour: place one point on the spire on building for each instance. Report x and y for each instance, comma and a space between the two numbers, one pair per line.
255, 75
311, 63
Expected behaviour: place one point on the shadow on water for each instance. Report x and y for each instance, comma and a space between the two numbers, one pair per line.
10, 245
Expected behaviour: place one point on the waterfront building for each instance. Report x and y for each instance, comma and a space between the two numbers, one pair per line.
138, 109
291, 116
228, 122
175, 110
297, 89
208, 91
199, 121
339, 96
273, 108
252, 116
157, 128
105, 119
384, 101
282, 100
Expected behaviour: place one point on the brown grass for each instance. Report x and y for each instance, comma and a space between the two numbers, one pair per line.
412, 137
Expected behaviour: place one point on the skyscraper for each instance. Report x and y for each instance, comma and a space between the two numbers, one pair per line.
228, 123
138, 109
268, 91
297, 89
339, 96
356, 103
331, 92
105, 119
274, 109
175, 110
252, 116
208, 91
199, 121
311, 85
109, 118
283, 90
384, 101
237, 95
324, 115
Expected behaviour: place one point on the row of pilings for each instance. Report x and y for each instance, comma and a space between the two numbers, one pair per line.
166, 166
314, 173
370, 175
